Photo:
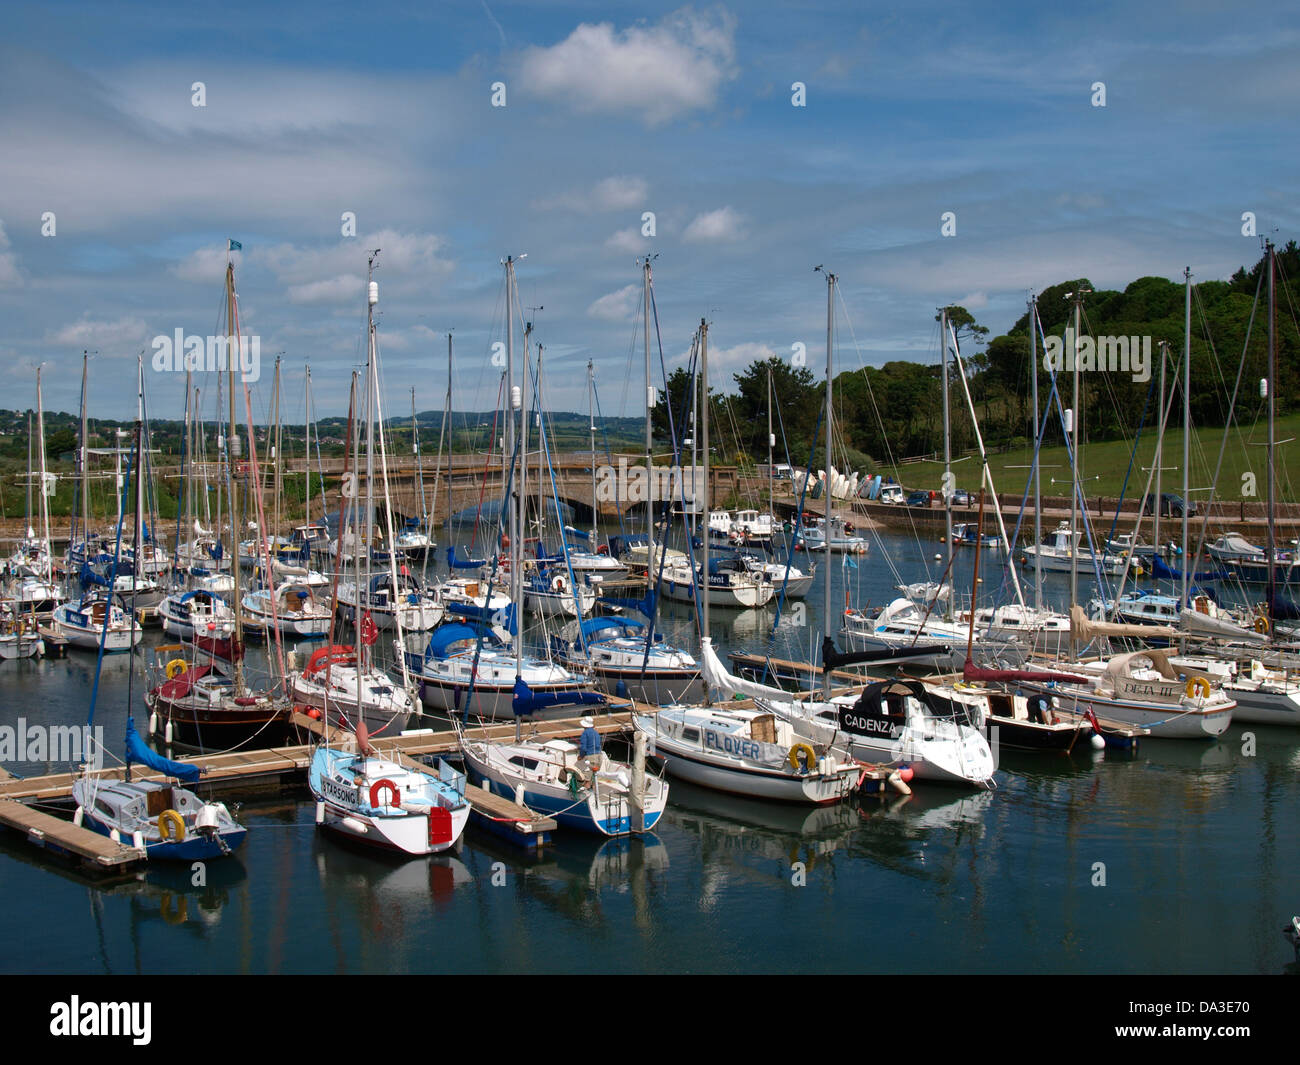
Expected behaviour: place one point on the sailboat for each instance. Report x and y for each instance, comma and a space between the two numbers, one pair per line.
164, 820
395, 806
340, 680
464, 667
744, 751
210, 706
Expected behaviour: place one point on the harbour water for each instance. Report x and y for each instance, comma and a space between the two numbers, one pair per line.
1180, 858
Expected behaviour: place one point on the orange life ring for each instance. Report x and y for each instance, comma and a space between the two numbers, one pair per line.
380, 785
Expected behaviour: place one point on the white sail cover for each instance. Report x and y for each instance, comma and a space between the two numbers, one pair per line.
728, 684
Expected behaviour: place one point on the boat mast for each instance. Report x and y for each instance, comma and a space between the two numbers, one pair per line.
771, 444
649, 440
85, 471
47, 565
1187, 418
947, 439
830, 433
363, 587
514, 402
233, 346
591, 421
1271, 385
1038, 486
1076, 420
704, 443
1160, 447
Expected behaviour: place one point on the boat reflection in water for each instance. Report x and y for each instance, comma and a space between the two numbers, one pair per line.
748, 833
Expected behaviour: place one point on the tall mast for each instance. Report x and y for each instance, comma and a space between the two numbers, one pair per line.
1187, 418
525, 405
649, 440
275, 459
947, 438
306, 462
591, 420
703, 586
232, 453
771, 443
363, 589
85, 468
1272, 391
1038, 487
1076, 421
514, 402
830, 433
1160, 446
47, 565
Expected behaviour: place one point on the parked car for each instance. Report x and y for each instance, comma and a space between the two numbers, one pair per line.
1171, 506
919, 499
891, 493
960, 497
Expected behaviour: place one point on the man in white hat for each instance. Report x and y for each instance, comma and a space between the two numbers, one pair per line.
589, 743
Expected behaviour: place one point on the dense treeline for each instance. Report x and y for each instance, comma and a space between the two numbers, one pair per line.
895, 410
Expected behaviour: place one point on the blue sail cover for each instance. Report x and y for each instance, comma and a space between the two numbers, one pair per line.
644, 606
468, 563
526, 701
137, 751
445, 636
591, 626
1162, 570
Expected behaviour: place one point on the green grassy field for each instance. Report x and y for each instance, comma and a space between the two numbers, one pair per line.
1104, 465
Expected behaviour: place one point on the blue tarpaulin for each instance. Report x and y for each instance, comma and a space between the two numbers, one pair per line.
138, 751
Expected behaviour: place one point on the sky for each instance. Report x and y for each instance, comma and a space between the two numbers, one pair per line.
122, 178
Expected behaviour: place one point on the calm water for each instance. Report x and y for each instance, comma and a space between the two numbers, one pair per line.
1197, 844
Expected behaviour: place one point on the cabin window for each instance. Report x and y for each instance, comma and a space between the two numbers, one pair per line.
690, 735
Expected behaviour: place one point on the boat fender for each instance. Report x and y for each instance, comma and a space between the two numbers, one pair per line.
897, 782
153, 722
137, 840
809, 760
175, 668
167, 733
1199, 685
573, 781
353, 825
79, 816
207, 817
1098, 741
380, 785
320, 812
905, 774
115, 835
171, 825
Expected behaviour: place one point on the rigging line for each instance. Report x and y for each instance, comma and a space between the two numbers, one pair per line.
889, 451
1227, 428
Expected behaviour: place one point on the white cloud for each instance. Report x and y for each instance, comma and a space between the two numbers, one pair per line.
628, 240
617, 306
609, 194
615, 193
660, 71
206, 265
332, 290
9, 274
89, 333
724, 224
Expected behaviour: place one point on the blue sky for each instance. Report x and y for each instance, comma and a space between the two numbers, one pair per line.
385, 110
